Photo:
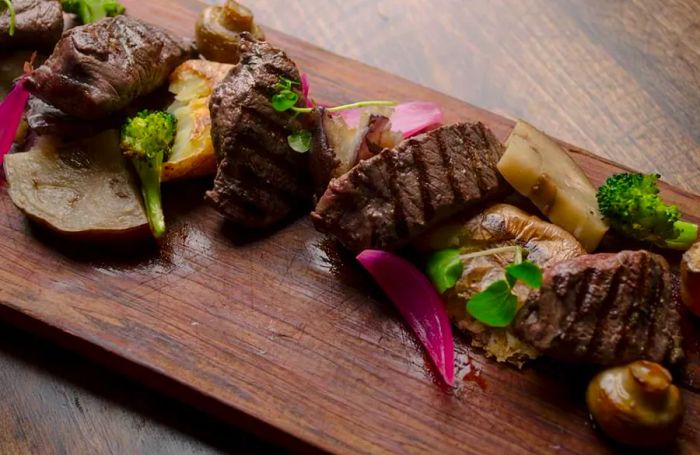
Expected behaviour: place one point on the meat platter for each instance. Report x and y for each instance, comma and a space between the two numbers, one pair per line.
267, 320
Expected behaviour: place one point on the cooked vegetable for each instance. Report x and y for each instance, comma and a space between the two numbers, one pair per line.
83, 189
6, 5
636, 404
11, 111
218, 31
410, 118
418, 303
499, 226
690, 279
632, 205
192, 154
540, 169
146, 141
93, 10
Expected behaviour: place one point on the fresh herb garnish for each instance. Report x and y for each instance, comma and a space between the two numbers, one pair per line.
90, 11
496, 305
300, 141
7, 5
286, 98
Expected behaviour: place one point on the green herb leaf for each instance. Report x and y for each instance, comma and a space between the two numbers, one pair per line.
445, 269
284, 100
300, 141
496, 306
527, 272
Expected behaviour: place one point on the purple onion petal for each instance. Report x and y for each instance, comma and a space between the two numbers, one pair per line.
419, 304
305, 90
410, 118
11, 111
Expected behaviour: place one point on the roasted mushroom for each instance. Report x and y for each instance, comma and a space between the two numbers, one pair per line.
690, 279
218, 31
498, 226
636, 404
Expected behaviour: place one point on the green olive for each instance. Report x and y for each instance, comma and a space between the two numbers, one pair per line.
636, 404
218, 29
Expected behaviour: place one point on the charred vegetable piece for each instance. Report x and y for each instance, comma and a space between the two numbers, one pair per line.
636, 404
146, 142
690, 279
81, 189
218, 31
632, 205
193, 152
93, 10
542, 170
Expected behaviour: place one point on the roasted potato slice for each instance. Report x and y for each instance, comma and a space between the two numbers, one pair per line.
82, 189
192, 155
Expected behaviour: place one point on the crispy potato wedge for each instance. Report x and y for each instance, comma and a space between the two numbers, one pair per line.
193, 152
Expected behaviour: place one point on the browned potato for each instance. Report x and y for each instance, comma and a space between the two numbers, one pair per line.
690, 279
218, 31
193, 152
636, 404
83, 188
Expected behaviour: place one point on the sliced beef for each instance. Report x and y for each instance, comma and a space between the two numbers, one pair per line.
98, 69
38, 25
395, 195
604, 309
44, 119
260, 180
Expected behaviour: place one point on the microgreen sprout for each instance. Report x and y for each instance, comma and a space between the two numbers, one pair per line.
495, 306
7, 5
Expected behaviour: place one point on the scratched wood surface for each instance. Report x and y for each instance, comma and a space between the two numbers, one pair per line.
637, 106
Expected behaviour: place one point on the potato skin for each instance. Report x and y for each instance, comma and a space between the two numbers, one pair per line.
218, 28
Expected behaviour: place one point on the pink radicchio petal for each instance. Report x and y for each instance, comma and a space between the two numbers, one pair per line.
419, 304
410, 118
305, 90
11, 111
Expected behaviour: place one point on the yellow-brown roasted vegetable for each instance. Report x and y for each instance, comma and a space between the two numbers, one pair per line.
82, 189
192, 154
636, 404
218, 29
690, 279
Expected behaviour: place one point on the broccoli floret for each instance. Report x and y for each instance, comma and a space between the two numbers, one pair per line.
93, 10
632, 205
146, 141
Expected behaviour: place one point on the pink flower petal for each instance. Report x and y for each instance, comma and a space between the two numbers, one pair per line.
11, 111
419, 304
305, 90
410, 118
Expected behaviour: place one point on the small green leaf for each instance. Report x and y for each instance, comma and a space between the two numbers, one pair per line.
284, 100
445, 269
528, 272
300, 141
495, 306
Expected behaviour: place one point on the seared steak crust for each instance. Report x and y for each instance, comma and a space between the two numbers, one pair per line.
394, 196
100, 68
260, 179
38, 25
605, 309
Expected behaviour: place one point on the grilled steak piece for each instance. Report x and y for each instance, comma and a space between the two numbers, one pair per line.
100, 68
395, 195
260, 180
38, 25
605, 309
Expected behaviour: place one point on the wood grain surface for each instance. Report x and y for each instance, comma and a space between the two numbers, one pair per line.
619, 77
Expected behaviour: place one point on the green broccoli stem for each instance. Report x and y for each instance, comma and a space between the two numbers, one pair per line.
687, 237
149, 174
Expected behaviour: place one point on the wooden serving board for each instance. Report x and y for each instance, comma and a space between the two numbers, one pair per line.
281, 335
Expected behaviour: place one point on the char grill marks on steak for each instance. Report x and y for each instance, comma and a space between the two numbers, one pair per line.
604, 309
260, 180
100, 68
395, 195
38, 25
